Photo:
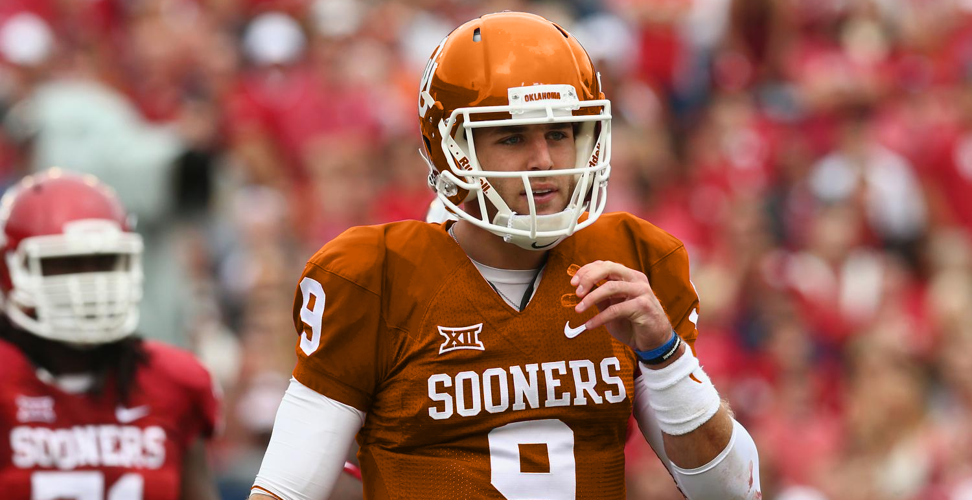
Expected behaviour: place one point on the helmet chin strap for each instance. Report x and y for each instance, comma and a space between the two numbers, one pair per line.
505, 217
549, 222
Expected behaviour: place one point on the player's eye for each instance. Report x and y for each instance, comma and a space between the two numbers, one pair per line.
511, 140
557, 135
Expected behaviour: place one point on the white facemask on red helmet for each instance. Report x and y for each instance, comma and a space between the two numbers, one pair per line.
510, 69
53, 217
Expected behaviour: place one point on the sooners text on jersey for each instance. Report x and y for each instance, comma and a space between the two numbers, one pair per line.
57, 445
467, 397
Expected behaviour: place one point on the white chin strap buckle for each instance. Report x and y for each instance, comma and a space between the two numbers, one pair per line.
558, 222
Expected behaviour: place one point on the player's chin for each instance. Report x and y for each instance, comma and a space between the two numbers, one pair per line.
545, 206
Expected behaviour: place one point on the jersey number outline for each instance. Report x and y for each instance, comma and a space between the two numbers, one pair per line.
311, 314
558, 483
84, 485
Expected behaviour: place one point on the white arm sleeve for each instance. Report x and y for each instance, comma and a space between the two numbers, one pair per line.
732, 475
311, 437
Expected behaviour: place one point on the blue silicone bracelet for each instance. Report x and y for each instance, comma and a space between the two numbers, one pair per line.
652, 356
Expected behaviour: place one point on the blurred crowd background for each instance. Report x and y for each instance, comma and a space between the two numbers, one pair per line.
814, 155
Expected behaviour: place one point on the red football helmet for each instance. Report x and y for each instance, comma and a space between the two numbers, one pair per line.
510, 69
71, 268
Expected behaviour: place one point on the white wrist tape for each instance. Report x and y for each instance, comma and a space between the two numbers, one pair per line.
681, 395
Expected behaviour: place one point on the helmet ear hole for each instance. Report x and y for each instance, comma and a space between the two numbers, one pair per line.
428, 145
477, 36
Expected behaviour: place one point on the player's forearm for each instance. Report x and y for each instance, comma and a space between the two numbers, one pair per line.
710, 455
702, 445
197, 478
697, 447
732, 475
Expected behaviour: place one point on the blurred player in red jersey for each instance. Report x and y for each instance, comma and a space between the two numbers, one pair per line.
501, 355
89, 411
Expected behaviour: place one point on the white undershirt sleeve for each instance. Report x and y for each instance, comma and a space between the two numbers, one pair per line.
732, 475
311, 438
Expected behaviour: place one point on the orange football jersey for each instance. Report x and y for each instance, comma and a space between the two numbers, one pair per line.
465, 396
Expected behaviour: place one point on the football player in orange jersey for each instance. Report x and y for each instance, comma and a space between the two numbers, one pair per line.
500, 355
88, 410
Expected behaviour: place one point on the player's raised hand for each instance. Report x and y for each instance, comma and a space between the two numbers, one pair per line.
626, 304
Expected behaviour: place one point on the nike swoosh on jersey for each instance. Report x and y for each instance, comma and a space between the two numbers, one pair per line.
129, 415
573, 332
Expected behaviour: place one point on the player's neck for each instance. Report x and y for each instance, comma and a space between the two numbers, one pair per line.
489, 249
62, 360
55, 357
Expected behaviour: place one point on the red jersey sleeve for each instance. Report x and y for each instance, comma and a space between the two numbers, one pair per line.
208, 397
197, 387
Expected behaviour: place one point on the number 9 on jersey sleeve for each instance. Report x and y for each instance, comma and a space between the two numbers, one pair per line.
311, 314
342, 347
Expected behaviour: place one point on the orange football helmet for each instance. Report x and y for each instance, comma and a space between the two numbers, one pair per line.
508, 69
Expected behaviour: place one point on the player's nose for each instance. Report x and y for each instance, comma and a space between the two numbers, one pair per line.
540, 157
